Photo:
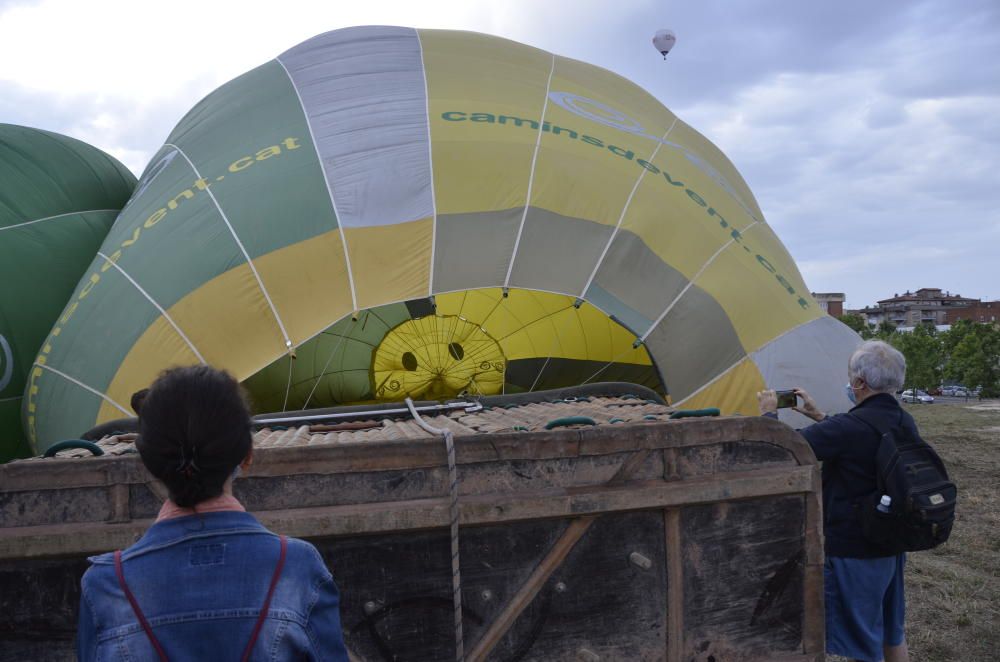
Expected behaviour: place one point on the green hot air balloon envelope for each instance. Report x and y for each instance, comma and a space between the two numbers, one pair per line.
58, 199
383, 212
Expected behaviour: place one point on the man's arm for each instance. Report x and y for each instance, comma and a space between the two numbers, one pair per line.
826, 437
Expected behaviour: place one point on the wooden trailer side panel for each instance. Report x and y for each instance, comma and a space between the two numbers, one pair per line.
698, 541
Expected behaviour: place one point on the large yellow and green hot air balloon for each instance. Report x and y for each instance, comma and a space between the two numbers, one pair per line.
382, 212
58, 198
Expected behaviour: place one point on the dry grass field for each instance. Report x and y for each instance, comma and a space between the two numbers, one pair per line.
953, 592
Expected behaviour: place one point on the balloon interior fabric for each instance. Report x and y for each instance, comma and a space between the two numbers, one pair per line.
382, 212
477, 342
58, 199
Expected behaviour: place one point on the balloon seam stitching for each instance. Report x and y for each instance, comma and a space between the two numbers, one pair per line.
156, 305
49, 218
329, 188
430, 162
239, 244
628, 203
691, 282
531, 174
103, 396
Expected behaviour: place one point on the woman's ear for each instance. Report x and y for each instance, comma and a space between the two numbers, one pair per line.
247, 461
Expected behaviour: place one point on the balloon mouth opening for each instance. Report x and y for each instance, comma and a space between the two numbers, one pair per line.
480, 342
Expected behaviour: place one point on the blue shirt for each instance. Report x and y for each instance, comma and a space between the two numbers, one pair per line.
201, 581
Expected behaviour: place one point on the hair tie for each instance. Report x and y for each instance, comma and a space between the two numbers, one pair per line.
187, 466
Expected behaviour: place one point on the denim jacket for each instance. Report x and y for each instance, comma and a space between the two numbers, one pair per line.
201, 581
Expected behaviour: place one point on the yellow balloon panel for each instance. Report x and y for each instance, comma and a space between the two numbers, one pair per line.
734, 392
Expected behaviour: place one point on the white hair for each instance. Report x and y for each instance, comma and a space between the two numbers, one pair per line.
880, 365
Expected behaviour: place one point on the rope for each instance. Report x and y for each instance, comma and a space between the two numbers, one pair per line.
327, 364
456, 575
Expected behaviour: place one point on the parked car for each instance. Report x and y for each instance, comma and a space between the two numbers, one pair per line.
916, 395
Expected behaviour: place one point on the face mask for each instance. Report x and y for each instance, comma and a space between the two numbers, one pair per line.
849, 390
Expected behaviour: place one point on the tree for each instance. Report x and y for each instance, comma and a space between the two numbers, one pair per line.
885, 331
973, 356
924, 354
855, 321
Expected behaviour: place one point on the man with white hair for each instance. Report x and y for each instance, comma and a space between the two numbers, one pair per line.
865, 606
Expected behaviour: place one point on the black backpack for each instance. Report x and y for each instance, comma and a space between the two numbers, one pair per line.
912, 474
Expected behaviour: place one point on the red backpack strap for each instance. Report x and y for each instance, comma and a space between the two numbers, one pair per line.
135, 606
267, 601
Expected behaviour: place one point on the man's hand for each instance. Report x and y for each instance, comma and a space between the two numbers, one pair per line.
767, 401
809, 407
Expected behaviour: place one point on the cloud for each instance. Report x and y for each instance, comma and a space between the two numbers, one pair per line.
877, 170
120, 74
867, 131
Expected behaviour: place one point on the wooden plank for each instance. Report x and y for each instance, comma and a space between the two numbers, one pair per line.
601, 598
675, 584
85, 538
119, 503
395, 597
743, 581
427, 453
530, 588
814, 616
576, 529
66, 473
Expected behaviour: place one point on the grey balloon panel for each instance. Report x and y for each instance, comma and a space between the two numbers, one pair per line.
812, 356
694, 344
473, 250
557, 253
640, 284
613, 307
364, 93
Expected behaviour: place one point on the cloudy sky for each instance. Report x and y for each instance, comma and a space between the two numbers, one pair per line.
868, 131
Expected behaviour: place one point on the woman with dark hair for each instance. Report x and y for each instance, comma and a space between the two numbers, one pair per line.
207, 581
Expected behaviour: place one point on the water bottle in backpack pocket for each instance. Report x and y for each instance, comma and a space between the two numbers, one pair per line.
921, 499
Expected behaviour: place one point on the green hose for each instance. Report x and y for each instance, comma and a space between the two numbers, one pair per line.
73, 443
695, 413
570, 420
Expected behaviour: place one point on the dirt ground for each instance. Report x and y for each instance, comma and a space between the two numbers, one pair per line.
953, 592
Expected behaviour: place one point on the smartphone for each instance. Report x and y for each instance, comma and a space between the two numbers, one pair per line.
786, 399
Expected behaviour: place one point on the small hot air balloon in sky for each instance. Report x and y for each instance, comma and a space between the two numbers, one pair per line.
664, 40
383, 212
